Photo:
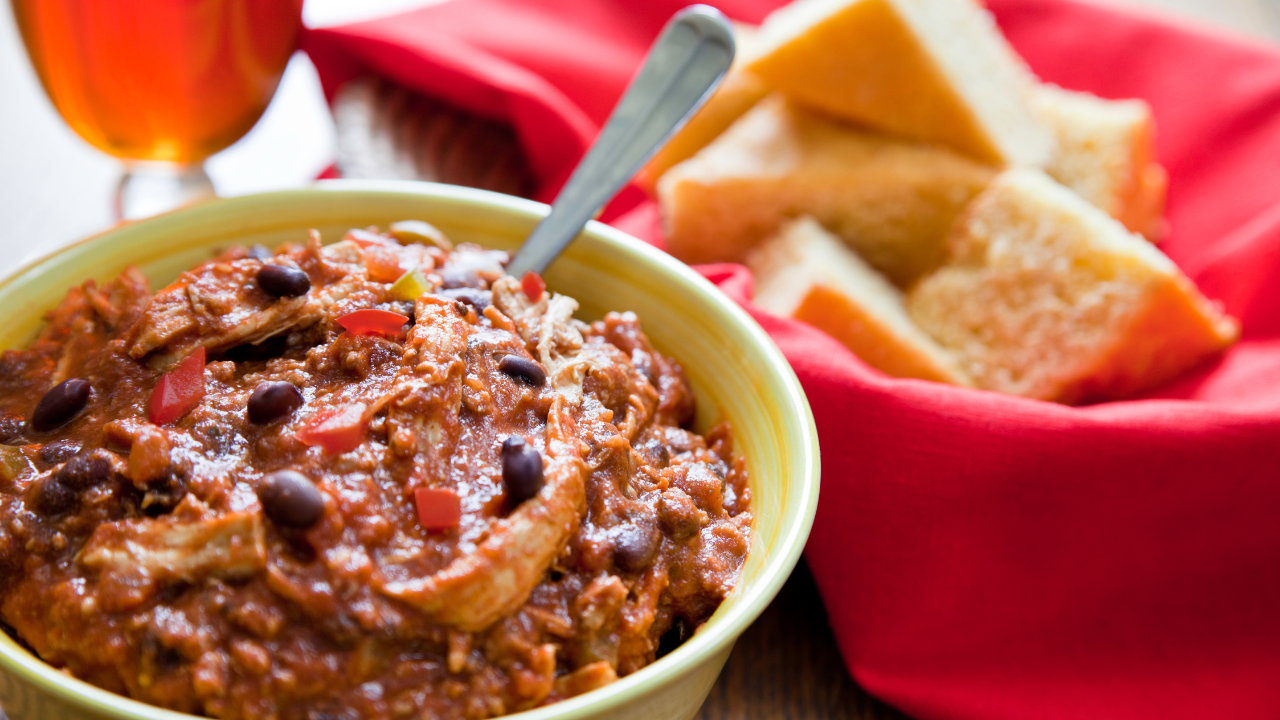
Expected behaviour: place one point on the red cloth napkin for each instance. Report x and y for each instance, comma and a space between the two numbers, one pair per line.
984, 556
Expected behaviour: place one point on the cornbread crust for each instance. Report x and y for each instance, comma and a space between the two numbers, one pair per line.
1044, 295
1106, 154
891, 200
935, 70
806, 273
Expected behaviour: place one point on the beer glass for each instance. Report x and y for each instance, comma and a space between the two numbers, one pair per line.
159, 84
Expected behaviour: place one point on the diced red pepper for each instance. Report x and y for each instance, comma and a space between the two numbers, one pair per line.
366, 239
336, 432
370, 321
438, 509
533, 286
383, 265
178, 391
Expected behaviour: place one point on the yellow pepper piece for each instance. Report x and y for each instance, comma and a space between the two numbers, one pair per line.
417, 231
411, 285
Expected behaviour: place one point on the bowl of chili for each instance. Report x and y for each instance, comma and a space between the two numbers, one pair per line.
737, 375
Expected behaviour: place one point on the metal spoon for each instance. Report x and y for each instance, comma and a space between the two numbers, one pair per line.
684, 65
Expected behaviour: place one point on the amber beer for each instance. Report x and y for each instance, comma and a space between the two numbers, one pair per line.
162, 80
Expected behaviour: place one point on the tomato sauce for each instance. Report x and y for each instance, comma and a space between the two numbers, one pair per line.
487, 507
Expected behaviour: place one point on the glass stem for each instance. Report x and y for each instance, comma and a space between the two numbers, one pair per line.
150, 188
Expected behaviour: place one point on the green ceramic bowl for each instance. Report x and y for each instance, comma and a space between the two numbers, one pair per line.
736, 371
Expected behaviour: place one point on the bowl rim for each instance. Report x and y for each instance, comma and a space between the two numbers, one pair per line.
712, 638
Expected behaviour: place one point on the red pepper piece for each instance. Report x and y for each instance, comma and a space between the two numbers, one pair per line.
533, 286
366, 239
369, 321
178, 391
438, 509
383, 265
336, 432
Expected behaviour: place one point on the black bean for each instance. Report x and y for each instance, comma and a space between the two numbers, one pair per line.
521, 469
635, 544
283, 281
260, 252
158, 658
60, 404
168, 593
298, 547
273, 346
59, 451
51, 497
290, 499
163, 494
673, 638
475, 297
11, 427
271, 401
654, 452
523, 369
86, 470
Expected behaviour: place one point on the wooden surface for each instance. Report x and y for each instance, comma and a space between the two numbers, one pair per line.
54, 188
787, 666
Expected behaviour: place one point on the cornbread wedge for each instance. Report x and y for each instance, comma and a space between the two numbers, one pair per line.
738, 92
806, 273
935, 70
1045, 295
891, 200
1106, 153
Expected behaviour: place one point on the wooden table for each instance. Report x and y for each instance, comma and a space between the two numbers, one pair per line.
54, 188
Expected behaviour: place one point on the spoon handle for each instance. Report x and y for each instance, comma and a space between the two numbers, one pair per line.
684, 65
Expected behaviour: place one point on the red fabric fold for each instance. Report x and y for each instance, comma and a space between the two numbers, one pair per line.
985, 556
